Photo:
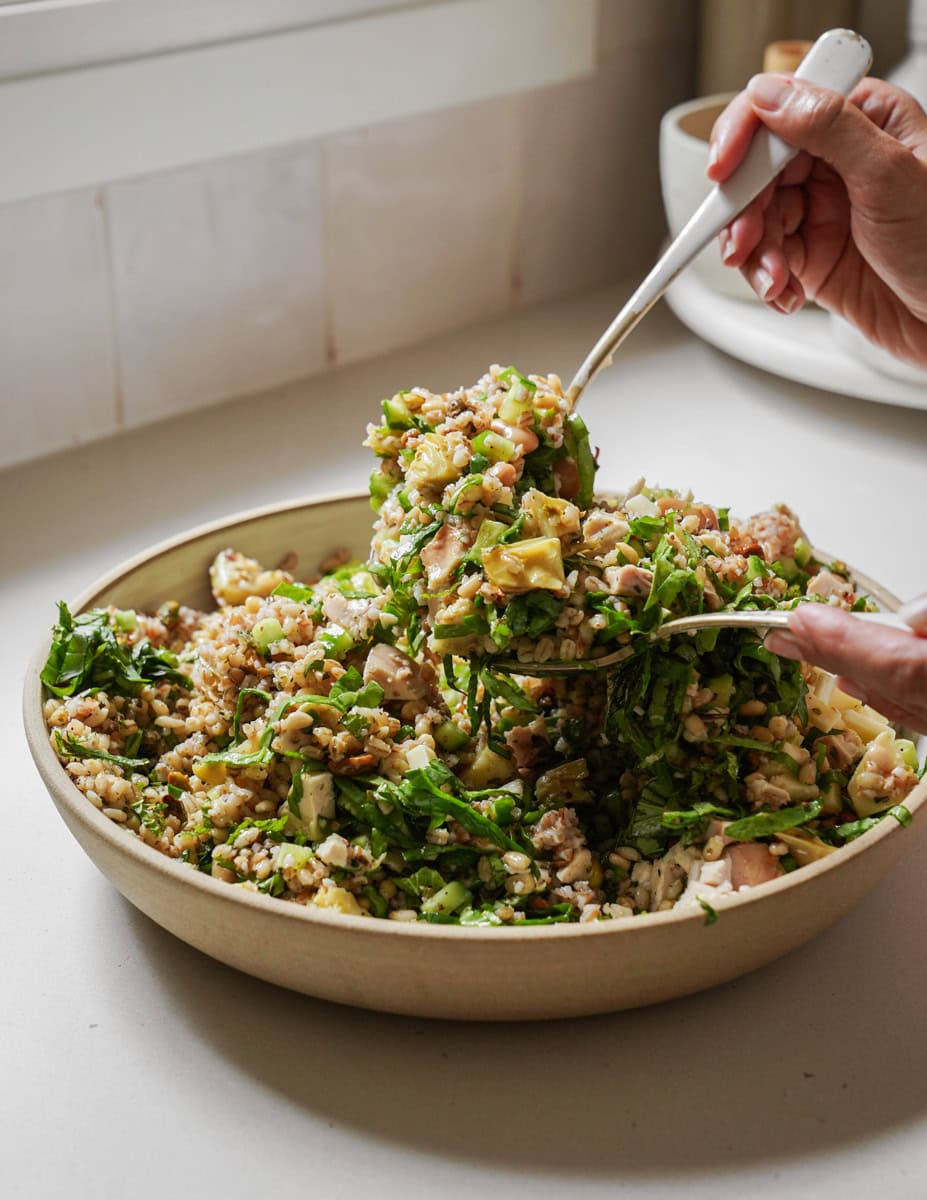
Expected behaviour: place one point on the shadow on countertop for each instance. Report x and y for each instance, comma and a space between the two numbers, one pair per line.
821, 1050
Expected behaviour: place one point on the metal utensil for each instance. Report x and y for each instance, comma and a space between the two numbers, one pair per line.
775, 618
838, 60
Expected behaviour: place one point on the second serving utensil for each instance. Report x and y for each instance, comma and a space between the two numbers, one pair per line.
761, 619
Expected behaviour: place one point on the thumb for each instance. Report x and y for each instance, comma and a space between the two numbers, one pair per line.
824, 123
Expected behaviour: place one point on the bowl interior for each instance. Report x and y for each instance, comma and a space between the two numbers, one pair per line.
698, 122
179, 569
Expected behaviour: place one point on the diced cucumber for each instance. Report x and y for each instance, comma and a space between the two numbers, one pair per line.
802, 552
722, 686
397, 413
504, 810
451, 737
495, 447
756, 569
337, 641
489, 535
126, 619
789, 569
516, 402
265, 633
289, 854
832, 797
447, 899
380, 487
476, 916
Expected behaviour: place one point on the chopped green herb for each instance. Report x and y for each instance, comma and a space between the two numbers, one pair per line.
71, 748
87, 655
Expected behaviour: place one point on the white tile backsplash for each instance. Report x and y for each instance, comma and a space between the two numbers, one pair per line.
218, 278
419, 223
591, 202
177, 290
57, 378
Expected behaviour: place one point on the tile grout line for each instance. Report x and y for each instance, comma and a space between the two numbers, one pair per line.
118, 396
519, 205
329, 335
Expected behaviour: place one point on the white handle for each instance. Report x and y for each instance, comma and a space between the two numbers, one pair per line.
838, 60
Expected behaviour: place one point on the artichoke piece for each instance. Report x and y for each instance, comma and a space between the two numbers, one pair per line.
432, 465
524, 566
805, 847
882, 776
234, 577
486, 769
869, 724
549, 516
564, 785
338, 899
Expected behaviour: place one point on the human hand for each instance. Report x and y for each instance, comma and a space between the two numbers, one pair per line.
845, 223
883, 667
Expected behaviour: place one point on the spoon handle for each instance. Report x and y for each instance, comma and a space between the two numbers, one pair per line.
838, 60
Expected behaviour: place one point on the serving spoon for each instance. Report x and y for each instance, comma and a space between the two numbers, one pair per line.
838, 60
775, 618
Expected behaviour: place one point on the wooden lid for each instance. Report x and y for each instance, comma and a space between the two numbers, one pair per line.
784, 56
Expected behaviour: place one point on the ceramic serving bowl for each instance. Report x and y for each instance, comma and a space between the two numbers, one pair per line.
420, 969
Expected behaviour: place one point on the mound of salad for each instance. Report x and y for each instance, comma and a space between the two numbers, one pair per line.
360, 740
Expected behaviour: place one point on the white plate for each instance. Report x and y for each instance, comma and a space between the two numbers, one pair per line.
800, 347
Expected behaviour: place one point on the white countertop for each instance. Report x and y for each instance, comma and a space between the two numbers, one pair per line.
133, 1065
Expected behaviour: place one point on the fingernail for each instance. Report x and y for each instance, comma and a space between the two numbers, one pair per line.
784, 645
727, 248
789, 302
764, 282
714, 153
768, 91
915, 613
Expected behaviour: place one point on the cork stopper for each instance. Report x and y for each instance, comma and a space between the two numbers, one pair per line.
784, 56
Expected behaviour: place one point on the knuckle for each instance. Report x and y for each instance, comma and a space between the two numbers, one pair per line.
819, 110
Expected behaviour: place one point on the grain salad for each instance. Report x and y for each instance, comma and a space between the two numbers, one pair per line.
348, 737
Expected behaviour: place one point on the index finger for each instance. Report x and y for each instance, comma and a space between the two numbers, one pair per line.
731, 134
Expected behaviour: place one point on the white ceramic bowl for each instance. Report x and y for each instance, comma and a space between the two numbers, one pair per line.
420, 969
684, 132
